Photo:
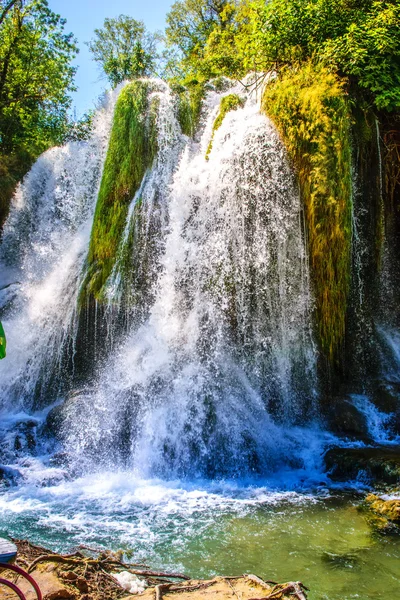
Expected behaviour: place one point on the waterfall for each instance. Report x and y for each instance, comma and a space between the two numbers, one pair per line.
221, 372
214, 371
43, 249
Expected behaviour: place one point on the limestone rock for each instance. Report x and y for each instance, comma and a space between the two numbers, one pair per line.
386, 511
50, 585
379, 465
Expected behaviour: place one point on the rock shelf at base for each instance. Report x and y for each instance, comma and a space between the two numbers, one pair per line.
91, 574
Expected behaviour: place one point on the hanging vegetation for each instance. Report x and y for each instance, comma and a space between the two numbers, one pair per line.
131, 151
310, 109
228, 103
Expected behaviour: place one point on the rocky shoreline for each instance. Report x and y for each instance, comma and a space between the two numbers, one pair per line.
90, 574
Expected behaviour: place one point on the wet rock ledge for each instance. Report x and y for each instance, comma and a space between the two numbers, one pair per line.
90, 574
379, 465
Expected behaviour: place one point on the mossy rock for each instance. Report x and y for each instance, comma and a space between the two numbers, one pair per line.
190, 99
390, 509
378, 465
131, 151
382, 515
310, 109
227, 104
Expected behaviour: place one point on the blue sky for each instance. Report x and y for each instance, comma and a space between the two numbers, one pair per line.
83, 16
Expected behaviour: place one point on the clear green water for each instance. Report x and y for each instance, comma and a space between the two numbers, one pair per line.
320, 539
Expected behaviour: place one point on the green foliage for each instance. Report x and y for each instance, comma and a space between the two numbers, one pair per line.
310, 109
131, 151
369, 50
3, 342
124, 49
35, 77
189, 24
359, 39
228, 103
189, 106
35, 80
12, 169
80, 129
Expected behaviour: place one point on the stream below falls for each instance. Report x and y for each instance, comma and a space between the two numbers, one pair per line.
207, 528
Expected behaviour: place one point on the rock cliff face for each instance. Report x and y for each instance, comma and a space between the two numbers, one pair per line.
379, 465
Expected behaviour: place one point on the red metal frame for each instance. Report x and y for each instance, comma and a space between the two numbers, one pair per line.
25, 575
13, 587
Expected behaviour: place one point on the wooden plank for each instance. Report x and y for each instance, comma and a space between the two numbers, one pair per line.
8, 551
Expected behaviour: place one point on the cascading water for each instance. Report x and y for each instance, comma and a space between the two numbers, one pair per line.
208, 385
43, 249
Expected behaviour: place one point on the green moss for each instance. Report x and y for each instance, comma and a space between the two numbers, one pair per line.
132, 259
131, 150
228, 103
189, 107
309, 107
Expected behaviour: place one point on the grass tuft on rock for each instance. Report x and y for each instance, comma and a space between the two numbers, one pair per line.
228, 103
310, 109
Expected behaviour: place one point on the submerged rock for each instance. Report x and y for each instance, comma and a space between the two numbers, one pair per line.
379, 465
385, 515
8, 475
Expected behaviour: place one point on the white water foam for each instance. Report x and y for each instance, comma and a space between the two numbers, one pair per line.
44, 245
378, 422
224, 367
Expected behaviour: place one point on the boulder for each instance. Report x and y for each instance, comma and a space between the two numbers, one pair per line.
379, 465
390, 509
345, 419
50, 585
382, 514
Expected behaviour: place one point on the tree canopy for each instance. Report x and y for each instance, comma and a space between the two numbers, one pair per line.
36, 75
189, 26
36, 78
124, 49
358, 39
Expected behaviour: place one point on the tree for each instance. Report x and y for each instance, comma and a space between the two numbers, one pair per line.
189, 25
36, 78
357, 39
124, 49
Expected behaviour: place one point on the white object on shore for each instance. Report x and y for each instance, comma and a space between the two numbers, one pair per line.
130, 582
